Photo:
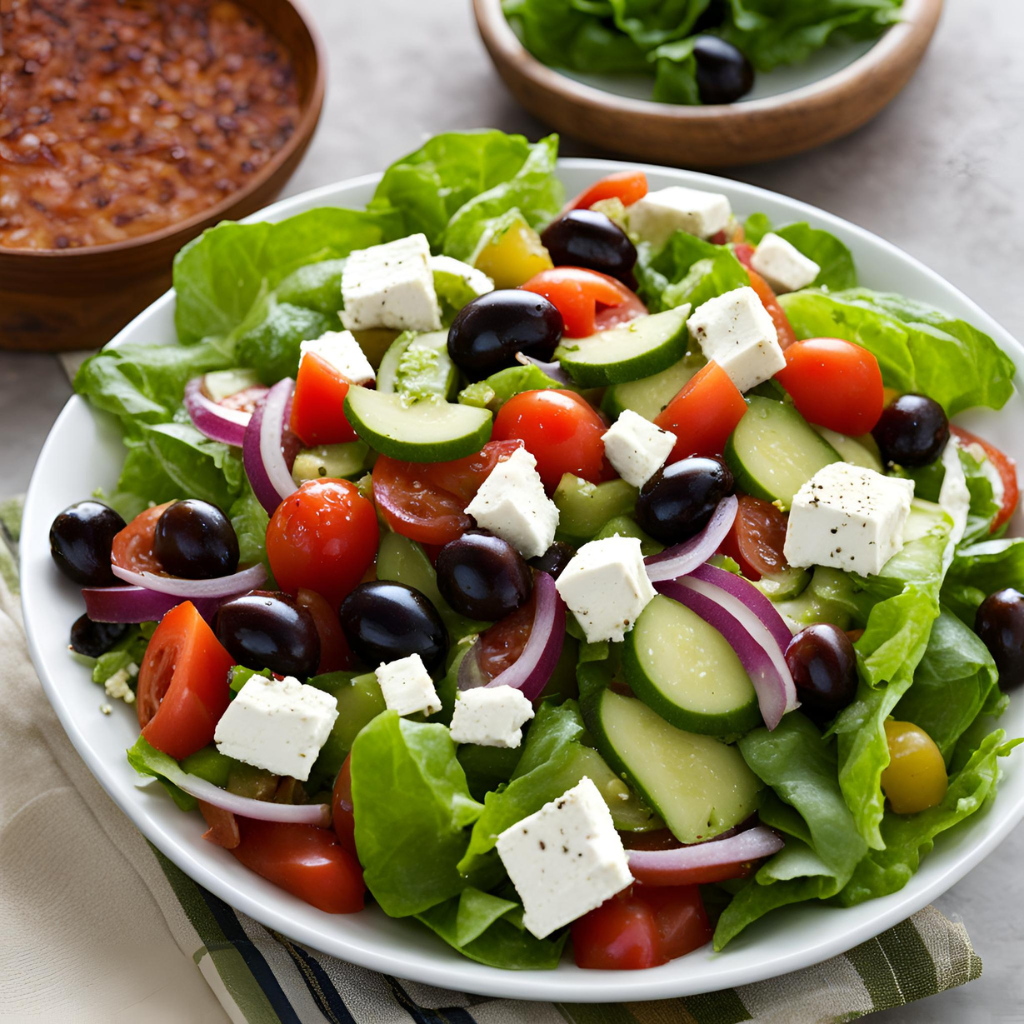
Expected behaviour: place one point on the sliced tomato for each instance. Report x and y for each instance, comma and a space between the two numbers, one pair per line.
620, 935
318, 414
342, 816
1005, 466
578, 294
502, 644
703, 414
756, 538
783, 327
307, 861
680, 918
629, 309
335, 655
628, 186
133, 546
223, 830
183, 683
463, 477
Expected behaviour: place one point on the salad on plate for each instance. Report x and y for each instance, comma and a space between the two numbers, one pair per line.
605, 571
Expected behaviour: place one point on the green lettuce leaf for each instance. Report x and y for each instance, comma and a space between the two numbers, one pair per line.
494, 391
981, 569
271, 346
129, 650
686, 269
832, 256
147, 760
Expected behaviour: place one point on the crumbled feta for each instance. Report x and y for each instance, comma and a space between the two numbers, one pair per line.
512, 503
783, 265
106, 709
491, 716
848, 517
277, 724
475, 280
736, 331
565, 859
392, 286
606, 587
343, 352
676, 208
407, 686
118, 685
636, 448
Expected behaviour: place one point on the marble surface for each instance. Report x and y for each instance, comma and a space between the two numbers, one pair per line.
937, 173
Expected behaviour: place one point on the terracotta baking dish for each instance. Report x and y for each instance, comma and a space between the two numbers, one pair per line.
79, 298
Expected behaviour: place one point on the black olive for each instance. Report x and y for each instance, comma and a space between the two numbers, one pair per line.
723, 73
195, 540
1000, 624
482, 576
678, 501
912, 431
385, 621
80, 541
95, 638
269, 630
711, 17
555, 559
586, 238
487, 333
824, 667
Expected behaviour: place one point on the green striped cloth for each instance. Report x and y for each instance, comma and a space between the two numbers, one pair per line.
261, 977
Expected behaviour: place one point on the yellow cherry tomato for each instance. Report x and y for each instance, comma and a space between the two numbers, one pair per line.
916, 777
512, 255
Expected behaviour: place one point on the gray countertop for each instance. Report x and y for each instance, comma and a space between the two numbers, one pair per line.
938, 173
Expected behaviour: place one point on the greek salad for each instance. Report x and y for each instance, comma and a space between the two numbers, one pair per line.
606, 572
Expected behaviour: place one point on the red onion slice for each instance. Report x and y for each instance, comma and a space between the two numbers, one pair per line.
713, 861
552, 370
683, 558
183, 589
262, 448
745, 592
138, 604
213, 420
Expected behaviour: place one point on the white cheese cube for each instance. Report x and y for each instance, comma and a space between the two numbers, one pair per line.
565, 859
636, 448
447, 266
392, 286
343, 352
737, 332
277, 724
848, 517
606, 587
783, 265
676, 208
512, 503
491, 716
407, 686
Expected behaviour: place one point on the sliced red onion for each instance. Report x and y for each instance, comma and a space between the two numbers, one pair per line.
183, 589
262, 448
753, 644
745, 592
213, 420
682, 558
137, 604
552, 370
713, 861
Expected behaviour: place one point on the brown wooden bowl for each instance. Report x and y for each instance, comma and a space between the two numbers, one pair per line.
720, 135
80, 298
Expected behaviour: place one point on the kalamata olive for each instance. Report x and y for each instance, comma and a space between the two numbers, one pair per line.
80, 541
385, 621
555, 559
824, 667
95, 638
1000, 624
912, 431
482, 576
194, 539
586, 238
269, 630
678, 501
487, 333
723, 73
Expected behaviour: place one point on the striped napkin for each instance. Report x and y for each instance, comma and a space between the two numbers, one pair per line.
90, 914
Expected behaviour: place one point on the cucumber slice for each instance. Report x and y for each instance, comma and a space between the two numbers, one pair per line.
219, 384
418, 365
686, 671
638, 349
330, 460
430, 430
774, 451
791, 581
858, 451
359, 701
649, 395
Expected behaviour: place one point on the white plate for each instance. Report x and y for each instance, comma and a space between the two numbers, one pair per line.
83, 452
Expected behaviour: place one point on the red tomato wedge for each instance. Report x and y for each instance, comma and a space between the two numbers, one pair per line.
133, 546
502, 644
578, 294
703, 414
183, 683
783, 327
629, 186
1005, 466
757, 537
318, 415
223, 830
342, 818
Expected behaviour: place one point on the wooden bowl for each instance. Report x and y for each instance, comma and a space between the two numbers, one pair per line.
721, 135
80, 298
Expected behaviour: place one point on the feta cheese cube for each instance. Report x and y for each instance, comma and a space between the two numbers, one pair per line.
783, 265
447, 267
491, 716
606, 587
343, 352
737, 332
277, 724
848, 517
512, 503
391, 285
636, 448
676, 208
565, 859
407, 686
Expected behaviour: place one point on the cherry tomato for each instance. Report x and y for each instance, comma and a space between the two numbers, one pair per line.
620, 935
630, 308
577, 294
1004, 466
679, 916
133, 546
756, 538
560, 429
223, 830
323, 537
783, 327
834, 383
334, 653
703, 414
915, 778
342, 818
317, 404
183, 683
629, 186
502, 644
307, 861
